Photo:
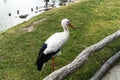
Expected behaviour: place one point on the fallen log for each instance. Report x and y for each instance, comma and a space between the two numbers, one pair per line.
79, 61
106, 67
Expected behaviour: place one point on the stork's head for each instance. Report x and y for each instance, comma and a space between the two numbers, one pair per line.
66, 22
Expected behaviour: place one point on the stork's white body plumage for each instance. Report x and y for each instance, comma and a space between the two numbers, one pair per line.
56, 41
53, 44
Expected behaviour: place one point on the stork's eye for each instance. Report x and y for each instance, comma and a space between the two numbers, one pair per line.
68, 22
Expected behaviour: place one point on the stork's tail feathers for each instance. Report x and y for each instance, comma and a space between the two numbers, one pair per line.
39, 63
41, 57
39, 66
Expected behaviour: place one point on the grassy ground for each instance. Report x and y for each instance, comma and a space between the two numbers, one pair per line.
93, 19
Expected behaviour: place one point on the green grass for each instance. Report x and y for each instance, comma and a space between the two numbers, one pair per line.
93, 19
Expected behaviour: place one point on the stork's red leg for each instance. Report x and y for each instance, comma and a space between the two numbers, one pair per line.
53, 63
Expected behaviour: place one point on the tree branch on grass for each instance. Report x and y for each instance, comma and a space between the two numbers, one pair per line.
79, 61
106, 67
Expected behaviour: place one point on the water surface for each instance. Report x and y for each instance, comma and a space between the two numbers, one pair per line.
24, 7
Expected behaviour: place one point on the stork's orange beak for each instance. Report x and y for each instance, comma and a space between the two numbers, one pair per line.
70, 25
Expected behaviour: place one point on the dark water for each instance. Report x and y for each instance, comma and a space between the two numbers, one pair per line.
24, 7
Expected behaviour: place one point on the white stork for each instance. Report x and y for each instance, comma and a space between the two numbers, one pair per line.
53, 45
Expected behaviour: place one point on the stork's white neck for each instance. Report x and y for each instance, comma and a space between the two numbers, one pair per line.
66, 31
65, 27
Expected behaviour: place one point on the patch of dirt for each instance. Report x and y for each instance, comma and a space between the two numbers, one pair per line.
1, 58
39, 21
30, 28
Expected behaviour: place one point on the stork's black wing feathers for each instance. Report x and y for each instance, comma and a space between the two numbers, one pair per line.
42, 58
